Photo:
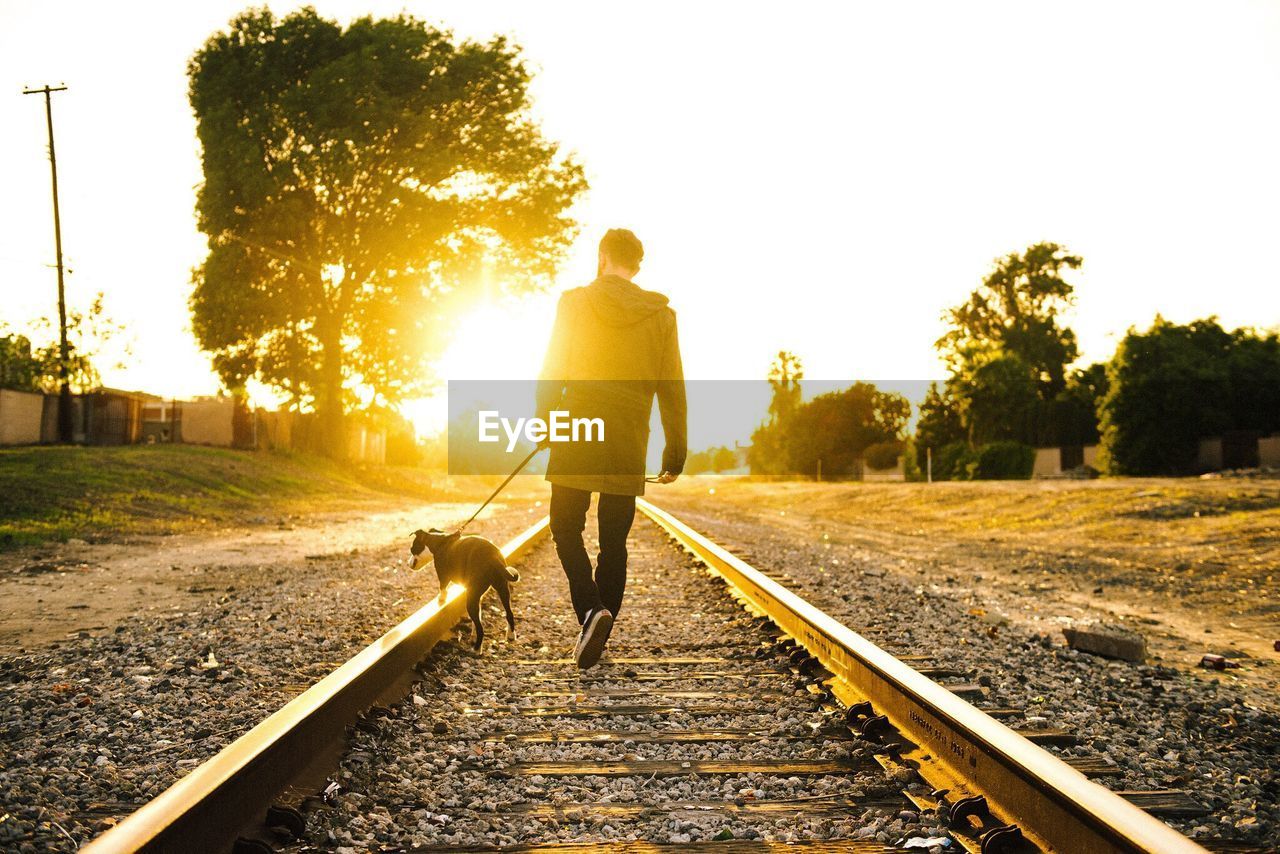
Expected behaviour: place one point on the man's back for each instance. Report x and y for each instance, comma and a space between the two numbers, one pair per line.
614, 347
614, 330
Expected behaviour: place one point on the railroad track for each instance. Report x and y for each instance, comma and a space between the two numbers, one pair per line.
708, 724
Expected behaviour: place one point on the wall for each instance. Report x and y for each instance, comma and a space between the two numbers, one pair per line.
1048, 462
366, 445
207, 421
1209, 456
21, 413
79, 414
274, 429
898, 472
1269, 451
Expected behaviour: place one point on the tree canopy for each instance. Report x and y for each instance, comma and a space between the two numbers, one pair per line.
837, 428
25, 366
939, 423
360, 184
1007, 353
1016, 310
767, 454
1175, 384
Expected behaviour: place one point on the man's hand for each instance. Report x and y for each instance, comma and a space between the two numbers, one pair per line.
666, 477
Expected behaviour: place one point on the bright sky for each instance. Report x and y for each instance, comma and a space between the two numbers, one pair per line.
822, 177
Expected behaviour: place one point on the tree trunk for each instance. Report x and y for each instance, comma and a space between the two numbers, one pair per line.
331, 420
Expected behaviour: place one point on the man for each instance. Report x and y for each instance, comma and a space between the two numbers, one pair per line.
613, 349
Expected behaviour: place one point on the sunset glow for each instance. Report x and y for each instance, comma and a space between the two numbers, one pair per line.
1133, 136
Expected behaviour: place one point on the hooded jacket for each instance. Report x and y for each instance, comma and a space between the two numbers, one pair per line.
614, 349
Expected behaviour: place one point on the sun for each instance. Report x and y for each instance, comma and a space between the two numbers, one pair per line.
499, 340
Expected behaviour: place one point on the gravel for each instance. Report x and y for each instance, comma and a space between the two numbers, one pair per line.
96, 725
1162, 727
438, 770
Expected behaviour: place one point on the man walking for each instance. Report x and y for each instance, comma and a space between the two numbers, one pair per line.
613, 349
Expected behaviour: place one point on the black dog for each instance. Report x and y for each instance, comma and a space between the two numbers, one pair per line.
473, 562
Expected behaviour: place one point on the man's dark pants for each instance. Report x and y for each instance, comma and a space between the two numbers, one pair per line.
568, 520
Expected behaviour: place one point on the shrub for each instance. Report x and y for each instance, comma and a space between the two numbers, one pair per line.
1004, 460
882, 455
910, 469
951, 461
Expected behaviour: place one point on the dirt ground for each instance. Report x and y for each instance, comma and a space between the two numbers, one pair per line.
1191, 564
56, 590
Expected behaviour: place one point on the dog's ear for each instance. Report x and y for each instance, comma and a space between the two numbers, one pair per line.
436, 531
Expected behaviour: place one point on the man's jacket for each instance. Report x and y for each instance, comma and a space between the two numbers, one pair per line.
613, 349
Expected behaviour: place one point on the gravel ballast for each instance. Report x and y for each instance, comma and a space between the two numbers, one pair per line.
1163, 728
448, 766
96, 725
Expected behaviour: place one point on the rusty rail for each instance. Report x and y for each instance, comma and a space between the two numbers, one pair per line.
958, 747
207, 810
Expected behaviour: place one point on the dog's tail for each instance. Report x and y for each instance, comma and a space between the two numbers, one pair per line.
513, 573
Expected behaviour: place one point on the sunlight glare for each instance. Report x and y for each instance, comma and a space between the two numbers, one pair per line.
500, 341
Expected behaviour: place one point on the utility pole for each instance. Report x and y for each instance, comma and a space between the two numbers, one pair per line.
64, 350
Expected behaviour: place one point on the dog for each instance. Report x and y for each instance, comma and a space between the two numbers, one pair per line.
473, 562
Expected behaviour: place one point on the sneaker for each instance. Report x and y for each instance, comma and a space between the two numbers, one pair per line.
595, 631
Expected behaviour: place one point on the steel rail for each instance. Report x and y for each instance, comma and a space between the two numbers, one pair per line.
1057, 808
208, 809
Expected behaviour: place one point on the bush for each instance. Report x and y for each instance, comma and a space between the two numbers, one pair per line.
1003, 461
910, 469
951, 461
882, 455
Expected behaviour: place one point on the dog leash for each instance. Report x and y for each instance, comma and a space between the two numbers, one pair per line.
501, 487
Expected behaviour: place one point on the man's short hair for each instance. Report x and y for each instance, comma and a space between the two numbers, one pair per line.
622, 247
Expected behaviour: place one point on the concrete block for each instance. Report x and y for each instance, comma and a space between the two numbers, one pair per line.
1107, 640
1048, 462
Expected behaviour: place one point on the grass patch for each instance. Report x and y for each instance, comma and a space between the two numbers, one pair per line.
58, 492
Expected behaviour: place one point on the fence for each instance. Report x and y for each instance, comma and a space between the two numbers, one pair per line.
114, 417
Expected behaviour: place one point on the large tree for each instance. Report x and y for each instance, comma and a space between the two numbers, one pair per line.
360, 183
1016, 310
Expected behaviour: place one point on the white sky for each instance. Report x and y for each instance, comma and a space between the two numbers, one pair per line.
821, 177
